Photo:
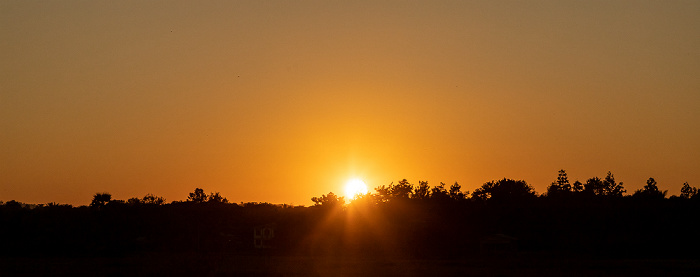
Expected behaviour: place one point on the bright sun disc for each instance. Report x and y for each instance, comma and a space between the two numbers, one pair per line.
355, 187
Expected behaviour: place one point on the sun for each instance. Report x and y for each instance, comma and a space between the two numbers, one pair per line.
354, 187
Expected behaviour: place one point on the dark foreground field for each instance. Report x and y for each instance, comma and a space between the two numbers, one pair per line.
398, 232
158, 264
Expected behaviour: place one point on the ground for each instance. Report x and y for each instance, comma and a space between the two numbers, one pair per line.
217, 264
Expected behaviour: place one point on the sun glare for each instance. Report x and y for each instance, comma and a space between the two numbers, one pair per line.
354, 187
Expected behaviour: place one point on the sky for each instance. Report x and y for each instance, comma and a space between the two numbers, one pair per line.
281, 101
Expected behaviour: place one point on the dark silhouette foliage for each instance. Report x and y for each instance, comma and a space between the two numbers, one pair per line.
399, 220
215, 197
401, 190
198, 196
612, 188
505, 190
439, 192
151, 199
561, 186
577, 187
328, 200
134, 201
607, 187
650, 191
422, 191
594, 186
688, 192
100, 200
456, 192
13, 205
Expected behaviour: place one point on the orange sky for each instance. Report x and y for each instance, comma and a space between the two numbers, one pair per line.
279, 101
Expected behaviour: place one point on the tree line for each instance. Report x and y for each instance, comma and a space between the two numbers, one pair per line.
512, 190
502, 190
595, 217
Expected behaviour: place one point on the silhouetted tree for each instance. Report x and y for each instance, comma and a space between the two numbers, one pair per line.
116, 202
402, 190
151, 199
366, 199
563, 181
561, 186
688, 192
100, 200
439, 228
383, 193
133, 201
217, 198
13, 205
504, 190
577, 187
611, 188
593, 186
606, 187
422, 191
58, 205
329, 200
650, 191
456, 192
439, 192
198, 196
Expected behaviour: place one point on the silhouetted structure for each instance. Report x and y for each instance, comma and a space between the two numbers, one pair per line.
263, 236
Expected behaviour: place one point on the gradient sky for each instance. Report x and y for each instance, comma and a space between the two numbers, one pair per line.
280, 101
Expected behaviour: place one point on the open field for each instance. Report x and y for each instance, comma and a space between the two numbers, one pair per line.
190, 264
